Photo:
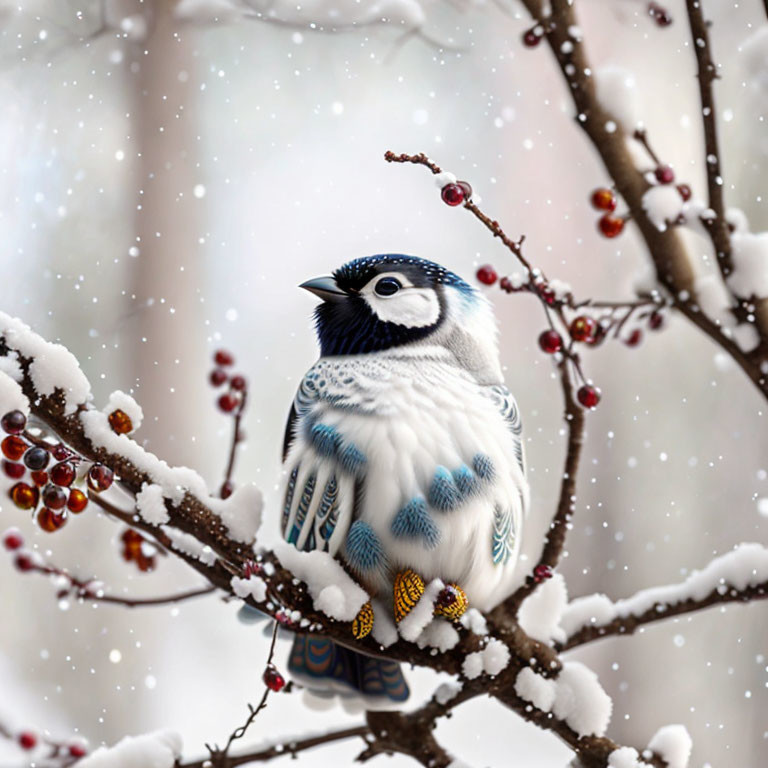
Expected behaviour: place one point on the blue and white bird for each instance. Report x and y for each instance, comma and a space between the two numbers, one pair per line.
403, 450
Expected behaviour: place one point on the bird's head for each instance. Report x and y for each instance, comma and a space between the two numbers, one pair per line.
380, 302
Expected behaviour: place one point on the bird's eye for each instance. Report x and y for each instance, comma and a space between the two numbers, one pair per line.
387, 286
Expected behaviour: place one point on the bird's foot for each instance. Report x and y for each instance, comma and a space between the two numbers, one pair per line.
451, 602
363, 622
408, 589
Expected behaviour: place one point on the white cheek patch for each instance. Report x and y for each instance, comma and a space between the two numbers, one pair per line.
411, 307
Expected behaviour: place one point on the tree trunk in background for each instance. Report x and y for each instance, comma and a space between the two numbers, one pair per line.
170, 362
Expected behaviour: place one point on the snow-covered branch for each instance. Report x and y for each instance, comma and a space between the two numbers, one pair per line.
740, 576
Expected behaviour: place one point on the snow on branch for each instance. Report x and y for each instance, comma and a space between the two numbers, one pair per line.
737, 577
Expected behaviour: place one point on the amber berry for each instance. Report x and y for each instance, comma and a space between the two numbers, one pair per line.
24, 496
50, 521
634, 338
273, 680
610, 226
542, 573
531, 38
37, 458
583, 328
588, 396
603, 199
218, 377
63, 473
664, 174
487, 275
120, 422
14, 447
144, 563
27, 740
550, 342
13, 422
54, 497
685, 192
655, 321
222, 357
12, 540
238, 383
100, 477
13, 470
452, 194
77, 501
227, 403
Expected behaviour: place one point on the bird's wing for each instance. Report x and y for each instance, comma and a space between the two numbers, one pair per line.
326, 469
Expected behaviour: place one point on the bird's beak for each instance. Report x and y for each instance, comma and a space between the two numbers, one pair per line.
324, 287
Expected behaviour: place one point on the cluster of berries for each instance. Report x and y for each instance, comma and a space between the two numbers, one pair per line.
52, 485
70, 752
219, 376
138, 550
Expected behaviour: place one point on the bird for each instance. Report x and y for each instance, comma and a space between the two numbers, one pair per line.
403, 456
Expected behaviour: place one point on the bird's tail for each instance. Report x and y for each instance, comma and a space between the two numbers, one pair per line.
324, 667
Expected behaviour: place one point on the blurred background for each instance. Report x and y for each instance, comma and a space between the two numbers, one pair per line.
170, 173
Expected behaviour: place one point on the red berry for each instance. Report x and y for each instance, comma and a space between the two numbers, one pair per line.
273, 679
49, 520
659, 14
39, 478
583, 328
656, 320
466, 186
610, 226
37, 458
27, 740
604, 199
506, 284
63, 474
531, 38
487, 275
542, 573
222, 357
238, 383
14, 447
588, 396
77, 501
145, 563
226, 489
12, 540
120, 422
218, 377
13, 422
227, 403
664, 174
24, 496
452, 194
550, 342
77, 751
60, 452
54, 497
13, 470
24, 563
100, 477
685, 192
634, 338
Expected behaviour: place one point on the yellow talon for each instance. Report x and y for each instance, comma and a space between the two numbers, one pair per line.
452, 602
363, 622
408, 588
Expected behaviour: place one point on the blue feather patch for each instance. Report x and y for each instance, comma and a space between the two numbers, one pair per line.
352, 459
328, 512
364, 551
483, 465
413, 521
443, 493
466, 480
301, 511
325, 439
